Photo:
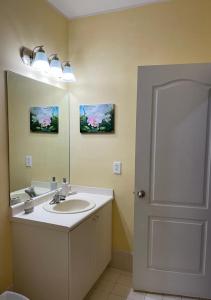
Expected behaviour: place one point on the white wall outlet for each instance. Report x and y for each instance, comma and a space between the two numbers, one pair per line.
117, 167
28, 161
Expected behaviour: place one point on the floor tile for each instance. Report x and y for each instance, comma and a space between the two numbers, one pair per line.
125, 280
185, 298
97, 296
115, 297
113, 271
136, 295
166, 297
104, 286
121, 290
110, 275
153, 297
125, 273
115, 284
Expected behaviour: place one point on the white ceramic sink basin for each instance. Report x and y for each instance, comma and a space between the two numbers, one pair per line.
70, 206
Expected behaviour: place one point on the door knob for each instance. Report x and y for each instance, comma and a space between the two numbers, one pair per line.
141, 194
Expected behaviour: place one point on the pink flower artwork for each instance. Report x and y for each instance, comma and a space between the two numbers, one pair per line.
44, 119
97, 118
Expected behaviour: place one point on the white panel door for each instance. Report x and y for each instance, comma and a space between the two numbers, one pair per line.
172, 247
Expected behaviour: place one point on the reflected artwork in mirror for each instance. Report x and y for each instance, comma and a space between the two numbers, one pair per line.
39, 151
44, 119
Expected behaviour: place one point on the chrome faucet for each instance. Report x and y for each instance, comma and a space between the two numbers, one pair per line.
31, 192
57, 198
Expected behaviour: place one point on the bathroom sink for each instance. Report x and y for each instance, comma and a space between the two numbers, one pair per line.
70, 206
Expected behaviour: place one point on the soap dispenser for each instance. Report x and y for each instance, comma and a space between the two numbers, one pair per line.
65, 188
53, 184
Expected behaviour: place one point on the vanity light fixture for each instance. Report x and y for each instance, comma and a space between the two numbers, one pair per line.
55, 66
39, 60
68, 74
26, 55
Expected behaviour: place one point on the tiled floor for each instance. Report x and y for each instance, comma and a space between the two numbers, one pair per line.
117, 285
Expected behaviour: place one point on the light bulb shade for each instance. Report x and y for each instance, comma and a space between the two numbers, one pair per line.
40, 60
68, 73
55, 66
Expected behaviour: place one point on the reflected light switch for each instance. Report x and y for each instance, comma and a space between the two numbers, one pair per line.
28, 161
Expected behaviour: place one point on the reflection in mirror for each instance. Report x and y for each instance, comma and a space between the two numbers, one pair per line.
38, 121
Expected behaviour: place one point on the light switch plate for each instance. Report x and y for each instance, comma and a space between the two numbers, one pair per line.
117, 167
28, 161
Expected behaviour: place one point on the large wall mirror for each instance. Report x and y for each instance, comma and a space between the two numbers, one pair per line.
38, 122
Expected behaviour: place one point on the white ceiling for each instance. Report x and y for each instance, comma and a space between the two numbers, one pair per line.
80, 8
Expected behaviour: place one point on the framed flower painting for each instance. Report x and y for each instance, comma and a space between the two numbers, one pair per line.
44, 119
98, 118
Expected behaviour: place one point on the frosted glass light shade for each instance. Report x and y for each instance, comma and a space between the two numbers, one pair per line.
40, 60
68, 73
55, 67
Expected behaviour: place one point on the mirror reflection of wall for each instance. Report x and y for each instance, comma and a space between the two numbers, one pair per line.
37, 152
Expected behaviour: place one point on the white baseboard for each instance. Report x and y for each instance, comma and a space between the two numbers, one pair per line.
122, 260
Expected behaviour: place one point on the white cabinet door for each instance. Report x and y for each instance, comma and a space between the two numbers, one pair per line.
66, 265
90, 252
40, 257
82, 259
103, 238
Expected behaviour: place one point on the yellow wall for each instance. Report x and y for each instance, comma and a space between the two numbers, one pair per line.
106, 51
50, 152
22, 23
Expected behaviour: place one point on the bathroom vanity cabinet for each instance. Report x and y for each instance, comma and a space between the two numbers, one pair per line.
54, 262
